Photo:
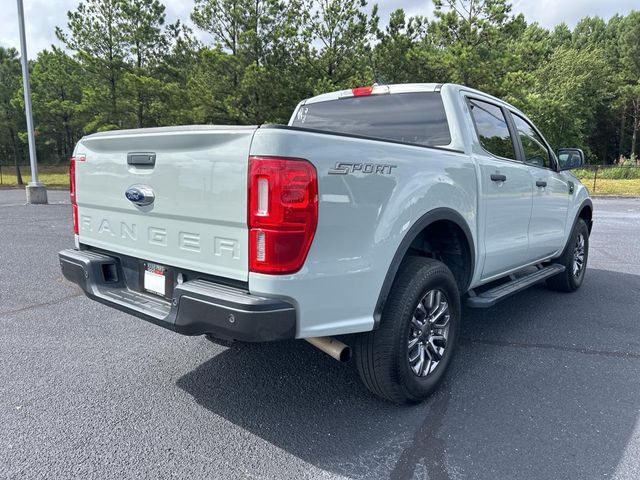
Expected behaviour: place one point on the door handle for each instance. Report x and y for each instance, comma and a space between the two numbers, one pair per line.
541, 183
497, 177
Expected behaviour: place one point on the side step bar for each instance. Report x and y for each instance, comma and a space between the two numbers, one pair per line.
491, 297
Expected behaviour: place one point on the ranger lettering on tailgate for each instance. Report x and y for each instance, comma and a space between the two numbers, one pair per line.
188, 241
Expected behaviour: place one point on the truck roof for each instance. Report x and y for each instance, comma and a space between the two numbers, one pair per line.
395, 88
399, 88
407, 88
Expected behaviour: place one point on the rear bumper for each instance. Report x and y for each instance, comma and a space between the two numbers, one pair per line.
198, 306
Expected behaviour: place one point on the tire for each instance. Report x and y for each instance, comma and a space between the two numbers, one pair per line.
569, 281
384, 356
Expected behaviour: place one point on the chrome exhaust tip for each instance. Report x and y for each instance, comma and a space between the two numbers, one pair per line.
332, 347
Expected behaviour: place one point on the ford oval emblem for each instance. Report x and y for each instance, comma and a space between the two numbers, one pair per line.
140, 195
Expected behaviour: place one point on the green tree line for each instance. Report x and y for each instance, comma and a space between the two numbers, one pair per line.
121, 65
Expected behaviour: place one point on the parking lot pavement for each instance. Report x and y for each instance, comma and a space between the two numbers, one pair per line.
544, 385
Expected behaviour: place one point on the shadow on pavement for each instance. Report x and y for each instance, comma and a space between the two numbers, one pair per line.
544, 385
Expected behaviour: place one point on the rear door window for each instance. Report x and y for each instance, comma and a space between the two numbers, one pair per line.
416, 118
492, 128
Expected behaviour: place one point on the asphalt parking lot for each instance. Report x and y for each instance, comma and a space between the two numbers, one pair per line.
545, 385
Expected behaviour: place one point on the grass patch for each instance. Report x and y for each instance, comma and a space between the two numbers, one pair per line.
50, 175
606, 186
613, 173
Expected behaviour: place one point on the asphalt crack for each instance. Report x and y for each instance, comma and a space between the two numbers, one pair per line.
40, 305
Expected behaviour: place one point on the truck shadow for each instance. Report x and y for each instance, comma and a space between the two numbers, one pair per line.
544, 385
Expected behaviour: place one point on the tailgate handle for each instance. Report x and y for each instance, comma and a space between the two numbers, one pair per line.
141, 158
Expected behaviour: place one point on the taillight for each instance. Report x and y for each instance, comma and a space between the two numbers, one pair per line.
282, 213
72, 192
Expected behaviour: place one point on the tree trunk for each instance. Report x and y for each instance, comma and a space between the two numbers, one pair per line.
17, 154
623, 124
112, 86
140, 111
59, 146
636, 124
68, 140
634, 139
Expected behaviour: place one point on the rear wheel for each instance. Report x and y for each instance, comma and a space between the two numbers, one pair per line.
405, 359
574, 258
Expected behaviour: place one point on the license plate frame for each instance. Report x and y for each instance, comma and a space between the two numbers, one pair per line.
155, 278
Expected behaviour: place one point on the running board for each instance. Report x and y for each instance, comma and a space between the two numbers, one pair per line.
491, 297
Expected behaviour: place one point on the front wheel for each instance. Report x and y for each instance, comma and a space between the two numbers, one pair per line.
574, 258
405, 359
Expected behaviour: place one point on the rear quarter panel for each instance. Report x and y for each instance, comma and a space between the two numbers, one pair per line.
362, 220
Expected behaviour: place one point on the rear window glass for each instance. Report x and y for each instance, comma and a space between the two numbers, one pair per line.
402, 117
492, 129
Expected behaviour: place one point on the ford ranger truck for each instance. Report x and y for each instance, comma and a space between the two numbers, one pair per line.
369, 217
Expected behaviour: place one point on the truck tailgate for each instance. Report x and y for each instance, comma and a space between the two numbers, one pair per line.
198, 219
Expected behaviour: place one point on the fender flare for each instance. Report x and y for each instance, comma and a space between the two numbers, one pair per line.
437, 214
585, 203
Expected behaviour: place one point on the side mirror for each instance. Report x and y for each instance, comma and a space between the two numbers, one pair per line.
570, 158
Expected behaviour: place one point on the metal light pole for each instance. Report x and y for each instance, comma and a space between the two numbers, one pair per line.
36, 191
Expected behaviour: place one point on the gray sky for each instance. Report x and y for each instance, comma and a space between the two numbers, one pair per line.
42, 16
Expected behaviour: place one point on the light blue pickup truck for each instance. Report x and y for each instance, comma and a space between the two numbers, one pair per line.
371, 216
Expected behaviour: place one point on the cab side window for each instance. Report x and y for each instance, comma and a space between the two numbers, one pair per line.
492, 128
535, 151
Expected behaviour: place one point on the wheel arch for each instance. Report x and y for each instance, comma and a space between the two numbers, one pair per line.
434, 217
586, 213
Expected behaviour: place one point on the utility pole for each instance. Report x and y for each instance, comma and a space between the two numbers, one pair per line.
36, 191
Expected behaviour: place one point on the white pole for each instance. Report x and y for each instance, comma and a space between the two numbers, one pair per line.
36, 192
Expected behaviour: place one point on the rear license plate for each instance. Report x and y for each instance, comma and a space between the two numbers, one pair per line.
155, 279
